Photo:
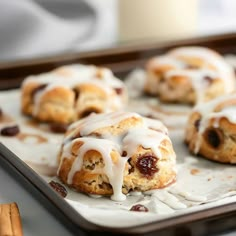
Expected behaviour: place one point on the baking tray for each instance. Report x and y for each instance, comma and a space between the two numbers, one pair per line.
121, 60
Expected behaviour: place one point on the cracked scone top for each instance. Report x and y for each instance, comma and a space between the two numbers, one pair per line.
72, 92
211, 129
189, 75
115, 153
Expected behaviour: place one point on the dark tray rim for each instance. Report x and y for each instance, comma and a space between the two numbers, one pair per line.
122, 58
137, 46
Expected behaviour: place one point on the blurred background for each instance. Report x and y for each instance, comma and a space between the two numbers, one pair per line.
39, 28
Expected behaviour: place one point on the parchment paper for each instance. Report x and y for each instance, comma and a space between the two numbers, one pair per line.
200, 184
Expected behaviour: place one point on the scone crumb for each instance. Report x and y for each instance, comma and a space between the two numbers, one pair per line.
194, 171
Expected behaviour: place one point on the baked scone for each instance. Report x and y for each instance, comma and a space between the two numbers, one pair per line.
115, 153
189, 75
72, 92
211, 129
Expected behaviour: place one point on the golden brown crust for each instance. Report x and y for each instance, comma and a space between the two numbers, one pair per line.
10, 221
91, 178
66, 103
179, 89
155, 75
171, 77
88, 181
214, 143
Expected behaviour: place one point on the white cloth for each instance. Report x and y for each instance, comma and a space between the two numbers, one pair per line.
32, 28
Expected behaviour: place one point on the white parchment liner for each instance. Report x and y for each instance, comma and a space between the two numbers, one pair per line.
200, 184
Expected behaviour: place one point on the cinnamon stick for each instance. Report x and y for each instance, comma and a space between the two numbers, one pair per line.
10, 221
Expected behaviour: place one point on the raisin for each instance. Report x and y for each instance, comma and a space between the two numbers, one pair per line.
76, 93
97, 135
77, 135
118, 91
58, 128
146, 164
197, 124
150, 116
10, 130
58, 188
213, 137
39, 88
87, 112
139, 207
162, 79
124, 154
208, 79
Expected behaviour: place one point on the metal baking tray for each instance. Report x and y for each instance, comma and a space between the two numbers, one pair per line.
121, 60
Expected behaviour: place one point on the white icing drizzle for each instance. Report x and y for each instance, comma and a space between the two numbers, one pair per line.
197, 78
210, 106
75, 75
39, 95
89, 71
147, 133
231, 59
135, 193
169, 199
96, 196
228, 112
187, 195
207, 112
114, 171
166, 198
159, 207
167, 60
135, 82
155, 125
66, 152
147, 138
225, 70
213, 65
95, 121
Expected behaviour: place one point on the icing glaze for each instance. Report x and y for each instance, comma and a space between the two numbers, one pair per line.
167, 60
147, 133
147, 138
71, 76
113, 171
135, 82
96, 121
220, 65
197, 78
212, 65
187, 195
169, 199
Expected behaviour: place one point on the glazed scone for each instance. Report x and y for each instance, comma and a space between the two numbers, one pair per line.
72, 92
115, 153
189, 75
211, 129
